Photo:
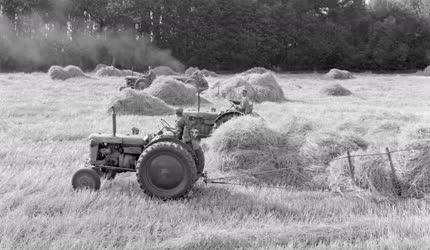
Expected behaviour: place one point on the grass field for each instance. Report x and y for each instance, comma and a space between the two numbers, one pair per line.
44, 126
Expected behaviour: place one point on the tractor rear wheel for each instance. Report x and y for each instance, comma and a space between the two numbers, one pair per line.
86, 178
166, 170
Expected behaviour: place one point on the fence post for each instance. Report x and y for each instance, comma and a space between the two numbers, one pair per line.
351, 167
394, 178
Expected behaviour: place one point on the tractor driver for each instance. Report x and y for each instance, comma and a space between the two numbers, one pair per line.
245, 105
182, 128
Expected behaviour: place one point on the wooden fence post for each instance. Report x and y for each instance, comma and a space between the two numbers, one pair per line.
394, 178
351, 167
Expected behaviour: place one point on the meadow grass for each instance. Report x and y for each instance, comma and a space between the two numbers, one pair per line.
44, 126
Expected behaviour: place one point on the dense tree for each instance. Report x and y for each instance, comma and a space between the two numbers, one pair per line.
216, 34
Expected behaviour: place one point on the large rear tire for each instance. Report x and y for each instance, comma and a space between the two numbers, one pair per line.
166, 170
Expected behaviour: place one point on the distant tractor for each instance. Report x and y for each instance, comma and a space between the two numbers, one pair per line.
165, 166
140, 82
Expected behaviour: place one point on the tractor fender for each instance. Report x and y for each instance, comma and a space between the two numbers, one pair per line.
173, 140
232, 112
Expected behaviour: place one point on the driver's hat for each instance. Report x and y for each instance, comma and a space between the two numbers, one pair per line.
179, 111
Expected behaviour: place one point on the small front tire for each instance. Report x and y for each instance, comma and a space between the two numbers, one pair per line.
86, 178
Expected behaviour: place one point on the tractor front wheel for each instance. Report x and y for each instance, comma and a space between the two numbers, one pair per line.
86, 178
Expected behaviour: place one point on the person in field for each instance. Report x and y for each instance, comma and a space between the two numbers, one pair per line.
245, 105
182, 127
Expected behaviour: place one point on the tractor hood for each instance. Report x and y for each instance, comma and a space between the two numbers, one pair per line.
131, 140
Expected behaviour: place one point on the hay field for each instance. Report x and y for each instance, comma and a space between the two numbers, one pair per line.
44, 125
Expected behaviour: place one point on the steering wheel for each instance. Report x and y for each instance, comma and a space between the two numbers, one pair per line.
166, 125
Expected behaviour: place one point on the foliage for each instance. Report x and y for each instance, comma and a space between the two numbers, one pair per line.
228, 35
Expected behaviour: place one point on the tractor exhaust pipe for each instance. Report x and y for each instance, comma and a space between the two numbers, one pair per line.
113, 122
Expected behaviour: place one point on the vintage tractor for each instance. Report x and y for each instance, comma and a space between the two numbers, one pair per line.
165, 166
140, 82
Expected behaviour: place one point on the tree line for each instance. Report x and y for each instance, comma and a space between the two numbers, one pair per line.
221, 35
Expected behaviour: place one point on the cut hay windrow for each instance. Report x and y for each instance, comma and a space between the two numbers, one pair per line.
260, 87
172, 91
140, 103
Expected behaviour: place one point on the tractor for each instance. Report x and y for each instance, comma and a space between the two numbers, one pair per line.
165, 166
143, 81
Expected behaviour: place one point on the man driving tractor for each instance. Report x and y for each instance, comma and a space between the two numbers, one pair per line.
244, 105
182, 127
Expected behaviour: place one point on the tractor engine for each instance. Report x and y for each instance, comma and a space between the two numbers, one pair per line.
122, 152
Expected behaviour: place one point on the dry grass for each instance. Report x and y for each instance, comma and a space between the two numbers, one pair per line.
43, 141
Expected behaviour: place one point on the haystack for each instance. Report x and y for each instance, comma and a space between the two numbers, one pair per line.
248, 145
75, 71
427, 71
139, 103
257, 70
99, 66
339, 74
336, 90
207, 73
172, 91
191, 71
260, 87
58, 73
164, 71
322, 147
110, 71
198, 81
